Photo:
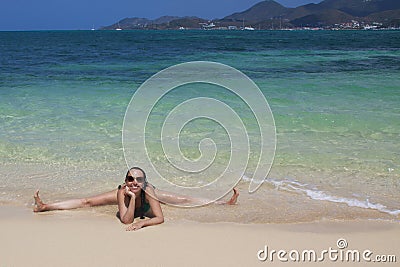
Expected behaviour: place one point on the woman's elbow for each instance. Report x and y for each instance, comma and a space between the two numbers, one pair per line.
126, 221
158, 220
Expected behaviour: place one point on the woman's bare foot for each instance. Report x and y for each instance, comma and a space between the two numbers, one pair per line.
234, 198
39, 205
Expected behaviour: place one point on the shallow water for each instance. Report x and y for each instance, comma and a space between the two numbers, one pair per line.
334, 95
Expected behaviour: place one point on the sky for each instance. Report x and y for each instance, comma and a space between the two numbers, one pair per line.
85, 14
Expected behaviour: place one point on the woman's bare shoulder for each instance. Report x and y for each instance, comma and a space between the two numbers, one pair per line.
150, 191
149, 188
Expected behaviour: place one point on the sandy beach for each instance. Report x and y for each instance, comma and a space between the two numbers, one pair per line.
86, 238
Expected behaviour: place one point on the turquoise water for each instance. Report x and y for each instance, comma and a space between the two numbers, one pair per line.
334, 95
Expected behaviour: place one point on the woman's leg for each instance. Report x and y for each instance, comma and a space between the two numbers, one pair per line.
108, 198
174, 199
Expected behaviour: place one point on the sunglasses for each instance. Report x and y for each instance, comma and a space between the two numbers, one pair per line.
137, 179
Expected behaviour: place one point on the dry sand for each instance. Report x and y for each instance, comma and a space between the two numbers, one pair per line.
86, 238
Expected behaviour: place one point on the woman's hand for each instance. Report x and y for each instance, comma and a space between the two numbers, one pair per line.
129, 192
135, 226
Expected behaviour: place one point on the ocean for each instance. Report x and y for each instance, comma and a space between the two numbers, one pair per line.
334, 96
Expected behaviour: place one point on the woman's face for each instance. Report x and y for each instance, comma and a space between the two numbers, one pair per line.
134, 180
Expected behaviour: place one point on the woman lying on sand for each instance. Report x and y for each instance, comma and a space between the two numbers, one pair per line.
134, 199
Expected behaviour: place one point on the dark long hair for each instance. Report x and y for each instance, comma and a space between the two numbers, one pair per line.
142, 193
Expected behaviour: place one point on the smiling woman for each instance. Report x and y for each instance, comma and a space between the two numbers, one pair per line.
135, 198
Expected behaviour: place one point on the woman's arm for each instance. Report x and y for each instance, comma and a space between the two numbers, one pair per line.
126, 207
155, 206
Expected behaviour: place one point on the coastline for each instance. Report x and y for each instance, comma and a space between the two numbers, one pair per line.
278, 200
84, 238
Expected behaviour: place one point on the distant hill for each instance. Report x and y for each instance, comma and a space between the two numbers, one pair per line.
388, 18
360, 8
261, 11
138, 23
327, 12
303, 11
186, 22
164, 19
270, 14
322, 18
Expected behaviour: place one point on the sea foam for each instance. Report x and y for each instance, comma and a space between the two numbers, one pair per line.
315, 194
